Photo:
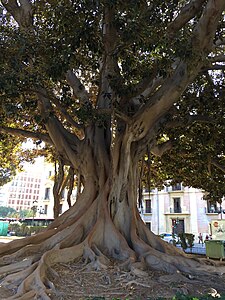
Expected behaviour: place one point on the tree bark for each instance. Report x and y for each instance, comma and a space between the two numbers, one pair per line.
103, 225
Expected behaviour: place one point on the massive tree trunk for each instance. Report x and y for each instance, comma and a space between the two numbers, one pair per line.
104, 223
103, 226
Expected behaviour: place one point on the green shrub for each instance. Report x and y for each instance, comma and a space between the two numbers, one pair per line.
24, 230
186, 240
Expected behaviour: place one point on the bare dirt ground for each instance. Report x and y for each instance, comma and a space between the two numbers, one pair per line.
74, 281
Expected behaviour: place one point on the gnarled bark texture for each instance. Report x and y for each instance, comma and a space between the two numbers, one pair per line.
104, 224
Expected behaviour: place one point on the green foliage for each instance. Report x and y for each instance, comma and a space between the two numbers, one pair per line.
183, 241
24, 230
6, 211
190, 239
186, 240
68, 35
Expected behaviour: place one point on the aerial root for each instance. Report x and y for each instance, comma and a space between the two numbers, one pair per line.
176, 277
16, 267
14, 280
33, 282
27, 296
172, 264
132, 282
23, 252
138, 269
15, 245
95, 258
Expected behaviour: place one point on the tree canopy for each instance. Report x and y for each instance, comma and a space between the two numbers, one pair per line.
152, 39
102, 84
6, 211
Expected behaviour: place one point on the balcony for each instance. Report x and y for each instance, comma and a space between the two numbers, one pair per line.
176, 210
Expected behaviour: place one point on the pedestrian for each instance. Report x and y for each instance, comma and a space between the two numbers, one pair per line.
200, 238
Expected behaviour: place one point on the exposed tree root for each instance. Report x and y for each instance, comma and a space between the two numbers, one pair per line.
27, 269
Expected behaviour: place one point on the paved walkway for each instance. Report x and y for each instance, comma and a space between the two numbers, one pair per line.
7, 239
197, 249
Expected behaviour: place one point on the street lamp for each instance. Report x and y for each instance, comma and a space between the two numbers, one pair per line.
34, 209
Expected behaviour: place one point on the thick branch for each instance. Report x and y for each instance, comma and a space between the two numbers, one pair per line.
109, 65
220, 42
170, 91
64, 113
70, 177
205, 30
217, 58
189, 120
216, 164
21, 11
160, 149
186, 14
66, 143
147, 91
26, 134
214, 67
57, 188
78, 88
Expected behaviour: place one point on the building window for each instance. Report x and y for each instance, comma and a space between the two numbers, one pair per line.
176, 203
148, 224
46, 209
148, 206
212, 207
63, 194
47, 193
176, 187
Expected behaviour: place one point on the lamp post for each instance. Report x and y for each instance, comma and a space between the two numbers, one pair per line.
34, 210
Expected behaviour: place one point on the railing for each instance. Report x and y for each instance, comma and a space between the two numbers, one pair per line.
176, 210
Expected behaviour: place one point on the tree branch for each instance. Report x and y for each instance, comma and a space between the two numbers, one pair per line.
66, 143
26, 134
186, 14
21, 11
217, 58
149, 89
189, 120
173, 87
160, 149
219, 166
214, 67
220, 42
109, 66
78, 88
62, 110
204, 31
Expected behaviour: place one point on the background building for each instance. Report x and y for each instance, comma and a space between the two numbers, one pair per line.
177, 209
46, 203
26, 188
174, 209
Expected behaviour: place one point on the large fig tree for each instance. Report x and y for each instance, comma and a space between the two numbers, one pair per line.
99, 81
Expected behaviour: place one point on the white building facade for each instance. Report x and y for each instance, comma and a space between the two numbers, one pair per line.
177, 209
46, 203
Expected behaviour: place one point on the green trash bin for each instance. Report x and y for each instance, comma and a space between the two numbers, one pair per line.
4, 225
215, 249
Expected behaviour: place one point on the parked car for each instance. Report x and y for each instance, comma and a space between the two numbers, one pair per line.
169, 237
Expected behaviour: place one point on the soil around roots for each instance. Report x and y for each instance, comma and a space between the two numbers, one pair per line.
79, 281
